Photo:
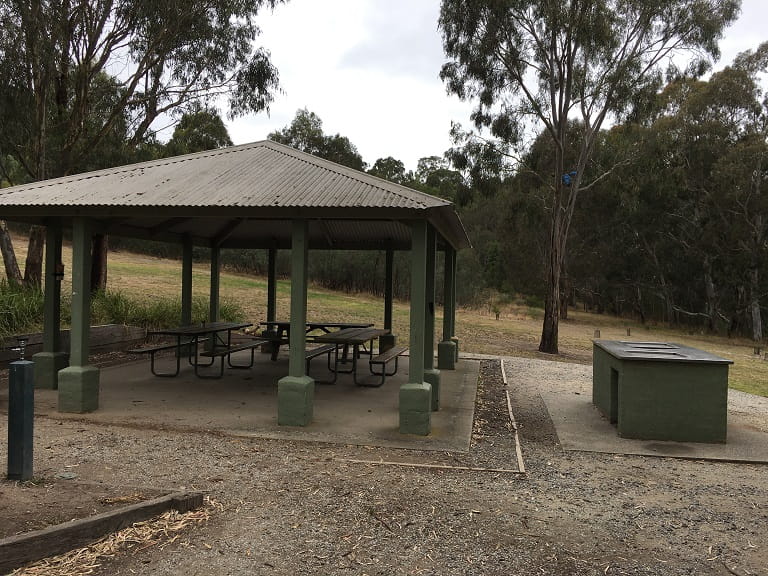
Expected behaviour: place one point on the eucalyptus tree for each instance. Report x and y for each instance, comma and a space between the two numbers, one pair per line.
390, 169
305, 133
437, 176
717, 132
198, 130
166, 57
544, 62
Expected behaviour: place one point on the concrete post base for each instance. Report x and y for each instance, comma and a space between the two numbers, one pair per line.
295, 400
416, 409
446, 355
47, 366
456, 342
79, 389
432, 377
386, 342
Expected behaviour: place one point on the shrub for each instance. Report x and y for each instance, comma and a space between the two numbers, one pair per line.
21, 309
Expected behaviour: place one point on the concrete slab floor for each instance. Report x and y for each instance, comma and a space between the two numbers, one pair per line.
244, 403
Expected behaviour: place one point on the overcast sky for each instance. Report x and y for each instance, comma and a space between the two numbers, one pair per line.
369, 69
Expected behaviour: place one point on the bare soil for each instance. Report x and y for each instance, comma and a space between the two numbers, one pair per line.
292, 508
47, 501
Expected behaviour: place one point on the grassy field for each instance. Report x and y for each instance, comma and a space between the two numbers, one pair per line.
515, 333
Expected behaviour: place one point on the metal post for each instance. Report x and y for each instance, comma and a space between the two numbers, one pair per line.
186, 282
388, 288
213, 312
431, 374
447, 348
388, 341
21, 410
272, 285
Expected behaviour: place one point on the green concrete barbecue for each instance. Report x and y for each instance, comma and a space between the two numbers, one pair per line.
661, 390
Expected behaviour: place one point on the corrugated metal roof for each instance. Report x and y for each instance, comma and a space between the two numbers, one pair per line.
263, 180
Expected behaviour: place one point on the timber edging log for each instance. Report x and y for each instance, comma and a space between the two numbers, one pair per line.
21, 549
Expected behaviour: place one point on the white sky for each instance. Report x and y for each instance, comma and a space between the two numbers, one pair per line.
370, 70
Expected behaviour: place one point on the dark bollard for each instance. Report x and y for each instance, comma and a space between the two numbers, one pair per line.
21, 410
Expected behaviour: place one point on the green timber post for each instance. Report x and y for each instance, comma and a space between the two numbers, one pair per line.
79, 382
271, 298
272, 284
296, 392
186, 282
52, 358
388, 340
416, 396
431, 375
446, 349
213, 310
186, 289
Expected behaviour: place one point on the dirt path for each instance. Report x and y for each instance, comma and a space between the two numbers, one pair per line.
301, 508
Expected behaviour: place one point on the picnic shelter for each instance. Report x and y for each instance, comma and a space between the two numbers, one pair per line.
261, 195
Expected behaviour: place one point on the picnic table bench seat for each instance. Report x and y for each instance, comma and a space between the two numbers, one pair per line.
311, 353
161, 347
222, 351
382, 359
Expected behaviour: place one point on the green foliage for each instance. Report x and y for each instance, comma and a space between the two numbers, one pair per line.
198, 130
673, 231
390, 169
62, 111
539, 63
115, 308
359, 271
305, 133
21, 309
532, 301
678, 234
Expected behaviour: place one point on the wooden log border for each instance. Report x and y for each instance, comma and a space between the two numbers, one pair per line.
16, 551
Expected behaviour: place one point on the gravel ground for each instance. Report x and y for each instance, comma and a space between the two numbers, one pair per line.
291, 508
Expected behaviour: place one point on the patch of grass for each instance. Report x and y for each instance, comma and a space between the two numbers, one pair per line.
152, 288
21, 310
516, 333
113, 307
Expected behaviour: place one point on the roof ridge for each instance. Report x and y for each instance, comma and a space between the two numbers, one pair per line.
126, 168
346, 171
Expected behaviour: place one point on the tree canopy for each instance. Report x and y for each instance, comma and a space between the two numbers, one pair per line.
198, 130
677, 233
305, 133
87, 84
530, 63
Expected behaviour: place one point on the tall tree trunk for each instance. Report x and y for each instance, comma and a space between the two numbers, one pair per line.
709, 289
12, 271
639, 304
739, 313
33, 269
99, 263
754, 305
566, 287
665, 289
549, 331
557, 237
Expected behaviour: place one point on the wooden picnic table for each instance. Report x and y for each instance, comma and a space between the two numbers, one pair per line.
189, 338
354, 337
278, 331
